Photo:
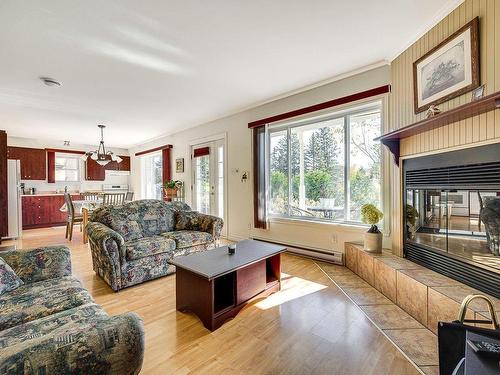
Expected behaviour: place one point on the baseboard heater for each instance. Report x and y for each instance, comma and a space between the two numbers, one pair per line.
331, 257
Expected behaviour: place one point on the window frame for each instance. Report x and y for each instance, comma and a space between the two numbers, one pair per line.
78, 167
345, 114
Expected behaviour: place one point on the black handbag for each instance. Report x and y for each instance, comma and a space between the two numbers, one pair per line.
451, 336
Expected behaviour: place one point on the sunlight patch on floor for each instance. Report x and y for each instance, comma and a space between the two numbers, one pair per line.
292, 287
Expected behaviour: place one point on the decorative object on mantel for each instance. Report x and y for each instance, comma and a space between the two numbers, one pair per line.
373, 238
171, 187
231, 249
432, 111
179, 165
474, 108
101, 156
411, 220
478, 93
448, 70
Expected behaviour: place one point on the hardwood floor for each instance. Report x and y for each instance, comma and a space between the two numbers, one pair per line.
308, 327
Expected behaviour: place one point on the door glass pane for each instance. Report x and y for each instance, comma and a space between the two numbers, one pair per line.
202, 183
152, 176
317, 170
365, 165
220, 181
278, 168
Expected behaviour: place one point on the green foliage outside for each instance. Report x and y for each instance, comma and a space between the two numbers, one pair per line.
324, 169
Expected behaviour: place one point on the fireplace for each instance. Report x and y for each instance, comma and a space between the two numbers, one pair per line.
452, 215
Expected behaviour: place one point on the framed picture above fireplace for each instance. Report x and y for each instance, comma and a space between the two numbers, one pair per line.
448, 70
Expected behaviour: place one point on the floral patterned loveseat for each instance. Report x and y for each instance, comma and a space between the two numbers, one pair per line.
51, 325
133, 243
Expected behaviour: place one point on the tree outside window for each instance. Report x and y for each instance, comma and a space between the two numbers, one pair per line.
308, 165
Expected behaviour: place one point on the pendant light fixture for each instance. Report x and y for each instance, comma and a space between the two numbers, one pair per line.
101, 156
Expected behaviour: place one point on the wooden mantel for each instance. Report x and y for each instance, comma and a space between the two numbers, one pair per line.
474, 108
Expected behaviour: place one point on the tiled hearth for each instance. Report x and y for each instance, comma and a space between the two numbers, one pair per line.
405, 300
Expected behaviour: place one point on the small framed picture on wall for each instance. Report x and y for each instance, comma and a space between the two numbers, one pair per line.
179, 165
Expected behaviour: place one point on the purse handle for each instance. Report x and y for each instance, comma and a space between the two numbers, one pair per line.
465, 305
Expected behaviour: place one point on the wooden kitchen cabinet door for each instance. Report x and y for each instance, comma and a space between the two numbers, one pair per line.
94, 171
33, 162
123, 166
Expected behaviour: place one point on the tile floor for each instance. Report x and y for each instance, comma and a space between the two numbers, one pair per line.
417, 342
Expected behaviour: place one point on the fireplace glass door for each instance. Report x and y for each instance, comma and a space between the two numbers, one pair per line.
462, 223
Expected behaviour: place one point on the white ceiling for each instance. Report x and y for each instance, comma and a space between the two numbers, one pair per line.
147, 68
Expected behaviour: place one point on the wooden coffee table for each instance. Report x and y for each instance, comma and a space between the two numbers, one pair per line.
216, 286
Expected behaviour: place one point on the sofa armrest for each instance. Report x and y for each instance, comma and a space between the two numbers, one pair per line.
102, 345
108, 253
42, 263
102, 235
192, 220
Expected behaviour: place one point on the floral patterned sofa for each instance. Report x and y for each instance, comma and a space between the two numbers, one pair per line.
133, 243
49, 324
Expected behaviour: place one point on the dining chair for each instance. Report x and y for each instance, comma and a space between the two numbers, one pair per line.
91, 196
72, 217
113, 199
129, 197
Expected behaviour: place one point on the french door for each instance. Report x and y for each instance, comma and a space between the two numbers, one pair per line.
208, 168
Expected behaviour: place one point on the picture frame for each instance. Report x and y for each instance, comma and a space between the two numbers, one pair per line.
448, 70
179, 165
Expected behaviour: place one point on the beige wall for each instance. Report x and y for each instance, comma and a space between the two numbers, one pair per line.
327, 237
474, 131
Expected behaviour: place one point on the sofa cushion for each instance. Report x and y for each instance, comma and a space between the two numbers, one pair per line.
147, 246
8, 278
127, 223
187, 238
33, 301
138, 219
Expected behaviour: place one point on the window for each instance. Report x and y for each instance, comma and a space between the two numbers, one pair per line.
67, 168
152, 176
327, 168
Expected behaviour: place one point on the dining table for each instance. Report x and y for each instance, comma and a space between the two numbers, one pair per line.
84, 208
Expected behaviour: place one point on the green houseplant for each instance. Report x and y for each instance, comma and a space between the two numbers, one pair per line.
373, 238
170, 188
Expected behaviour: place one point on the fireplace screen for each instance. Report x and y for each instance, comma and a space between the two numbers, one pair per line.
461, 223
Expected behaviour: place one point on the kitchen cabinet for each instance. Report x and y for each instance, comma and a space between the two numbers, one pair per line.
123, 166
33, 162
40, 211
96, 172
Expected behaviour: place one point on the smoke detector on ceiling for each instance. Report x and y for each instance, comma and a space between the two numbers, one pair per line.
50, 81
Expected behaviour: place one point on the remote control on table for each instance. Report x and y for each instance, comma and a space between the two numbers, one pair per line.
485, 348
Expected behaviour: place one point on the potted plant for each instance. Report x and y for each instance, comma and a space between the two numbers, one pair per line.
373, 238
411, 220
170, 188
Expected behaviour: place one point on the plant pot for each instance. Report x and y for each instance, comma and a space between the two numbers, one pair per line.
170, 192
373, 242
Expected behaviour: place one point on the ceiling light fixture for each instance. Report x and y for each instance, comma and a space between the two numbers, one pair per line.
101, 156
50, 81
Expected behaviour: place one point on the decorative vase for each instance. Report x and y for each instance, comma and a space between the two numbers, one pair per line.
373, 242
170, 192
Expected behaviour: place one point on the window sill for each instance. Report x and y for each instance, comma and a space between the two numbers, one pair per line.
315, 223
348, 227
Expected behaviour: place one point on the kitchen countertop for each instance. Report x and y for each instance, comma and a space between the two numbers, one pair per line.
45, 194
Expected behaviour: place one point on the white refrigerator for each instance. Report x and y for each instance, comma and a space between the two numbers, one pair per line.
15, 221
